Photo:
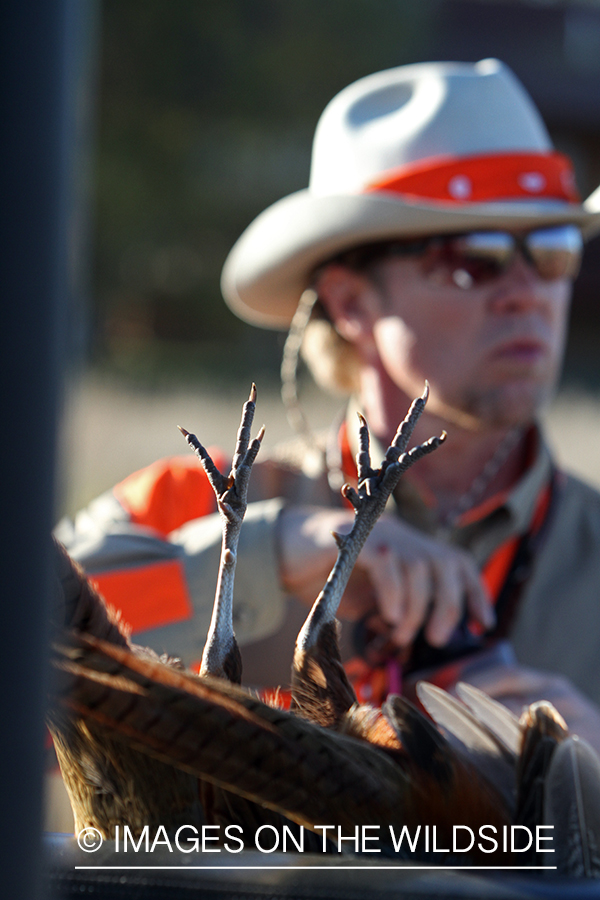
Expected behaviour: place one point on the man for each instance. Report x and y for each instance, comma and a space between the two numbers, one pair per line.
440, 233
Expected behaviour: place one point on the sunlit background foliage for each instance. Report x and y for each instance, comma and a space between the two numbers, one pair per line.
206, 112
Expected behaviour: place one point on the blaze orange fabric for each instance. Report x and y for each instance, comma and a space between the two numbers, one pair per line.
370, 684
169, 493
506, 176
348, 462
147, 596
496, 569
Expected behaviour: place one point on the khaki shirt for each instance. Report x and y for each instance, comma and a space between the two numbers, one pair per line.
557, 623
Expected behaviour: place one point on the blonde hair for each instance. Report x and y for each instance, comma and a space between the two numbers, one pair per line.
332, 360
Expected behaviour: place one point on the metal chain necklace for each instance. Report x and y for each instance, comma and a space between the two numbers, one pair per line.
481, 481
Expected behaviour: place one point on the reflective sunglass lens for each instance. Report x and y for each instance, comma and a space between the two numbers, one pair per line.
497, 246
555, 252
479, 257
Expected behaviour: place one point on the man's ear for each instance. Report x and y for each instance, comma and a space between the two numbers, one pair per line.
351, 301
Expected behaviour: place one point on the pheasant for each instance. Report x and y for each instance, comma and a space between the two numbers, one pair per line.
143, 742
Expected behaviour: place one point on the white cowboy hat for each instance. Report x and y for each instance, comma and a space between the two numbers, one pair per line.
431, 148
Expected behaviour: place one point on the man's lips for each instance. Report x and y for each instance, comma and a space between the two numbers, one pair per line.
525, 350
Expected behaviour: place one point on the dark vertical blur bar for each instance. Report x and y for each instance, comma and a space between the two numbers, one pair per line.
40, 44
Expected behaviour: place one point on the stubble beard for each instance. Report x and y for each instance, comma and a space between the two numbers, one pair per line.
507, 406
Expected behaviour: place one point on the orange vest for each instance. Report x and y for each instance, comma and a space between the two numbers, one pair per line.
163, 497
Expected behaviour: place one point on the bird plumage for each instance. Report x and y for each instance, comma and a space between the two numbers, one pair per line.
143, 742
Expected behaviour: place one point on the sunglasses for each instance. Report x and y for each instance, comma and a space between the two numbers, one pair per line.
470, 260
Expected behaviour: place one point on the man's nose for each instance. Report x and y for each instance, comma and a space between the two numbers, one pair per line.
520, 288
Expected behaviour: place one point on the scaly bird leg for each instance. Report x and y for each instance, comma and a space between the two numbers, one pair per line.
320, 688
221, 656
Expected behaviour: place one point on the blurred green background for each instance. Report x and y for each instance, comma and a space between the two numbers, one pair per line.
206, 112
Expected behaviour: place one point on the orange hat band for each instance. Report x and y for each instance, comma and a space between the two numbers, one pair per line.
476, 179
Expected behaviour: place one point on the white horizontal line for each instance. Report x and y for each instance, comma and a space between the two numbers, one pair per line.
326, 868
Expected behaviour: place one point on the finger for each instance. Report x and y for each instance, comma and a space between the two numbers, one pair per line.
448, 602
478, 599
386, 579
418, 587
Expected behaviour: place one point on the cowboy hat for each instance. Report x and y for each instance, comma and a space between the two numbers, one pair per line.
431, 148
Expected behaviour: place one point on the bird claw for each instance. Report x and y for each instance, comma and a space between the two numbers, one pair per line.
368, 500
244, 456
231, 492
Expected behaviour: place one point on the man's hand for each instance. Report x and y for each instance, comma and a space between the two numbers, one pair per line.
409, 578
